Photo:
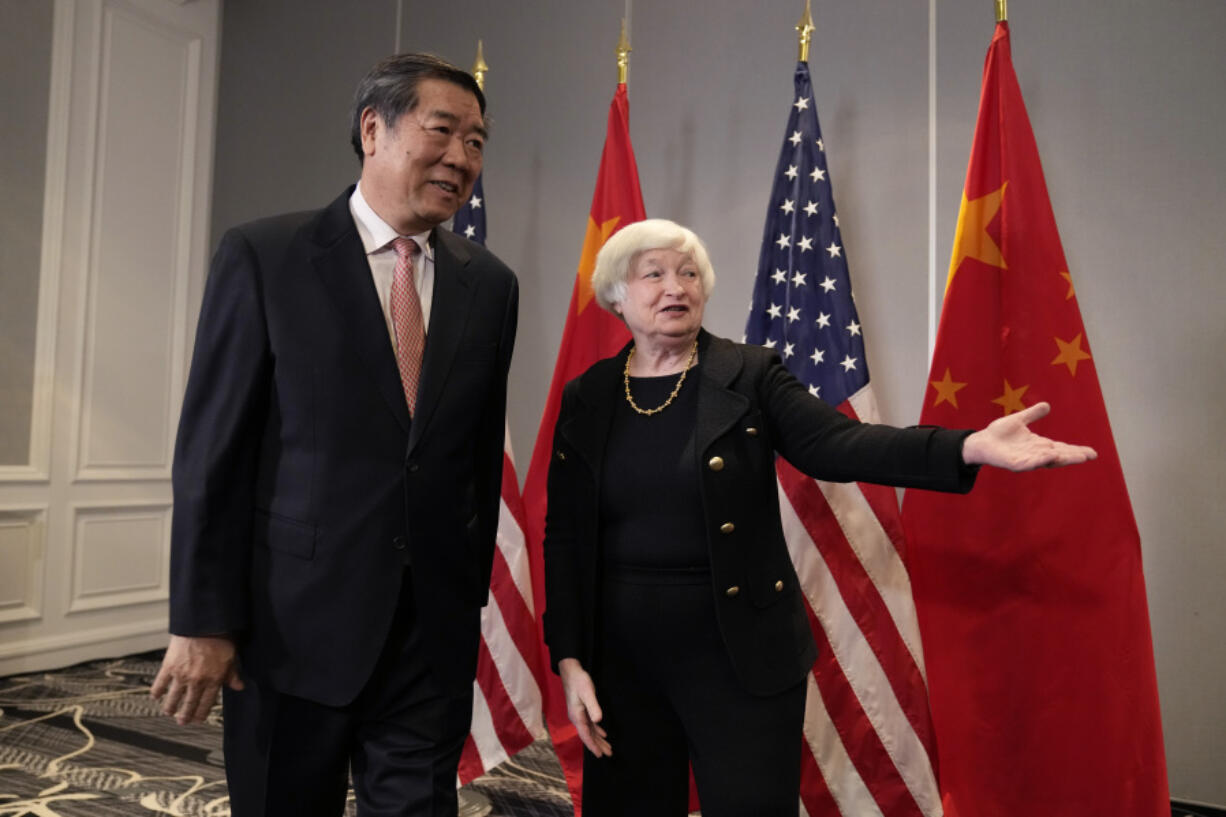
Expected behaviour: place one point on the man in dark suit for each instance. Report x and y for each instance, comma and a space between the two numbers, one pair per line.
337, 472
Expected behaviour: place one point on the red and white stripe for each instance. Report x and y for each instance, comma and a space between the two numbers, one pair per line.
506, 693
869, 747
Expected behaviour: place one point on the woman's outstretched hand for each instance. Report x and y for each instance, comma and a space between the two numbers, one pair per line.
1009, 443
582, 708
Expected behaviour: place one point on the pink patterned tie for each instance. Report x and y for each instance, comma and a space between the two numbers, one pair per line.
407, 320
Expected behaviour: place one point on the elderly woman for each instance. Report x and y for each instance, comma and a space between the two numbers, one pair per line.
673, 613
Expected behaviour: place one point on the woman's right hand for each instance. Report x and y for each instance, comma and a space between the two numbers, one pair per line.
582, 708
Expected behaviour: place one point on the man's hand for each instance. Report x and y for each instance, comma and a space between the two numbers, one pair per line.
1008, 443
192, 672
582, 708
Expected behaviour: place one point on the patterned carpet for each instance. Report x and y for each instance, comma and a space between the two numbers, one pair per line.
87, 741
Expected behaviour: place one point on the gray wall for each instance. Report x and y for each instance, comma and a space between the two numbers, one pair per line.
1125, 106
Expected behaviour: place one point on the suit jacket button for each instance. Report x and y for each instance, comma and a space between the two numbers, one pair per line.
727, 527
732, 591
716, 463
399, 543
779, 586
751, 431
414, 468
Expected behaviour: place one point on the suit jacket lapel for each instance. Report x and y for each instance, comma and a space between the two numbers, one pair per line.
453, 293
340, 262
719, 407
587, 429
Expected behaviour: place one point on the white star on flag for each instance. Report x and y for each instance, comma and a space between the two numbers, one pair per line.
848, 363
780, 277
787, 350
853, 328
794, 138
775, 311
793, 314
787, 206
798, 280
806, 243
823, 320
811, 208
835, 250
784, 241
828, 284
790, 172
817, 357
801, 103
475, 201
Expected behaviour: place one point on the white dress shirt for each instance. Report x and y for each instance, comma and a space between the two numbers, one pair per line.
377, 237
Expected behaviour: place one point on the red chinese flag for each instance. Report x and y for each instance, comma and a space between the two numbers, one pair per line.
590, 334
1029, 590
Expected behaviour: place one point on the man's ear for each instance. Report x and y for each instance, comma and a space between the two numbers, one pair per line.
368, 128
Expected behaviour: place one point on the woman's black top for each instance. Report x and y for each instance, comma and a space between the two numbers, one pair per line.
651, 514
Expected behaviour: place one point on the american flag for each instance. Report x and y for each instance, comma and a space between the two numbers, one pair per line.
869, 746
470, 220
507, 713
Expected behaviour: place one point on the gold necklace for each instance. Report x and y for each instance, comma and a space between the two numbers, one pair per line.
676, 388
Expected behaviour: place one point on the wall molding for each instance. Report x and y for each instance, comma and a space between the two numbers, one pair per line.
187, 62
83, 600
98, 638
35, 522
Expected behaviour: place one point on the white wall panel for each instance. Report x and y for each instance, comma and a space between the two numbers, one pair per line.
120, 555
22, 539
137, 270
84, 525
42, 397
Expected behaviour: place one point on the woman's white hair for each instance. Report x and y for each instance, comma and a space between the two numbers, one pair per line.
616, 256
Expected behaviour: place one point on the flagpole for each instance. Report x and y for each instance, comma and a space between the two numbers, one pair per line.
805, 29
479, 66
589, 334
932, 179
623, 55
1002, 11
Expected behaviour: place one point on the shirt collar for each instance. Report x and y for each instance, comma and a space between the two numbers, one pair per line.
377, 234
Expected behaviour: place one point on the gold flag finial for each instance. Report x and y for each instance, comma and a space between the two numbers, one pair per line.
479, 66
805, 28
623, 55
1002, 10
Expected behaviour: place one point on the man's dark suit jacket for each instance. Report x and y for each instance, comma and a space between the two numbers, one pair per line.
302, 487
749, 408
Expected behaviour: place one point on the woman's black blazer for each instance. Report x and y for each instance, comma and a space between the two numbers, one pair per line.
750, 408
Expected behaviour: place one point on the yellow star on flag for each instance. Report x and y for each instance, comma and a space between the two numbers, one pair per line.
1070, 353
971, 239
1068, 278
593, 240
1011, 400
947, 390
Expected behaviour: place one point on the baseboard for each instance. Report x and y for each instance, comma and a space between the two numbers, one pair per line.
1190, 808
39, 655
